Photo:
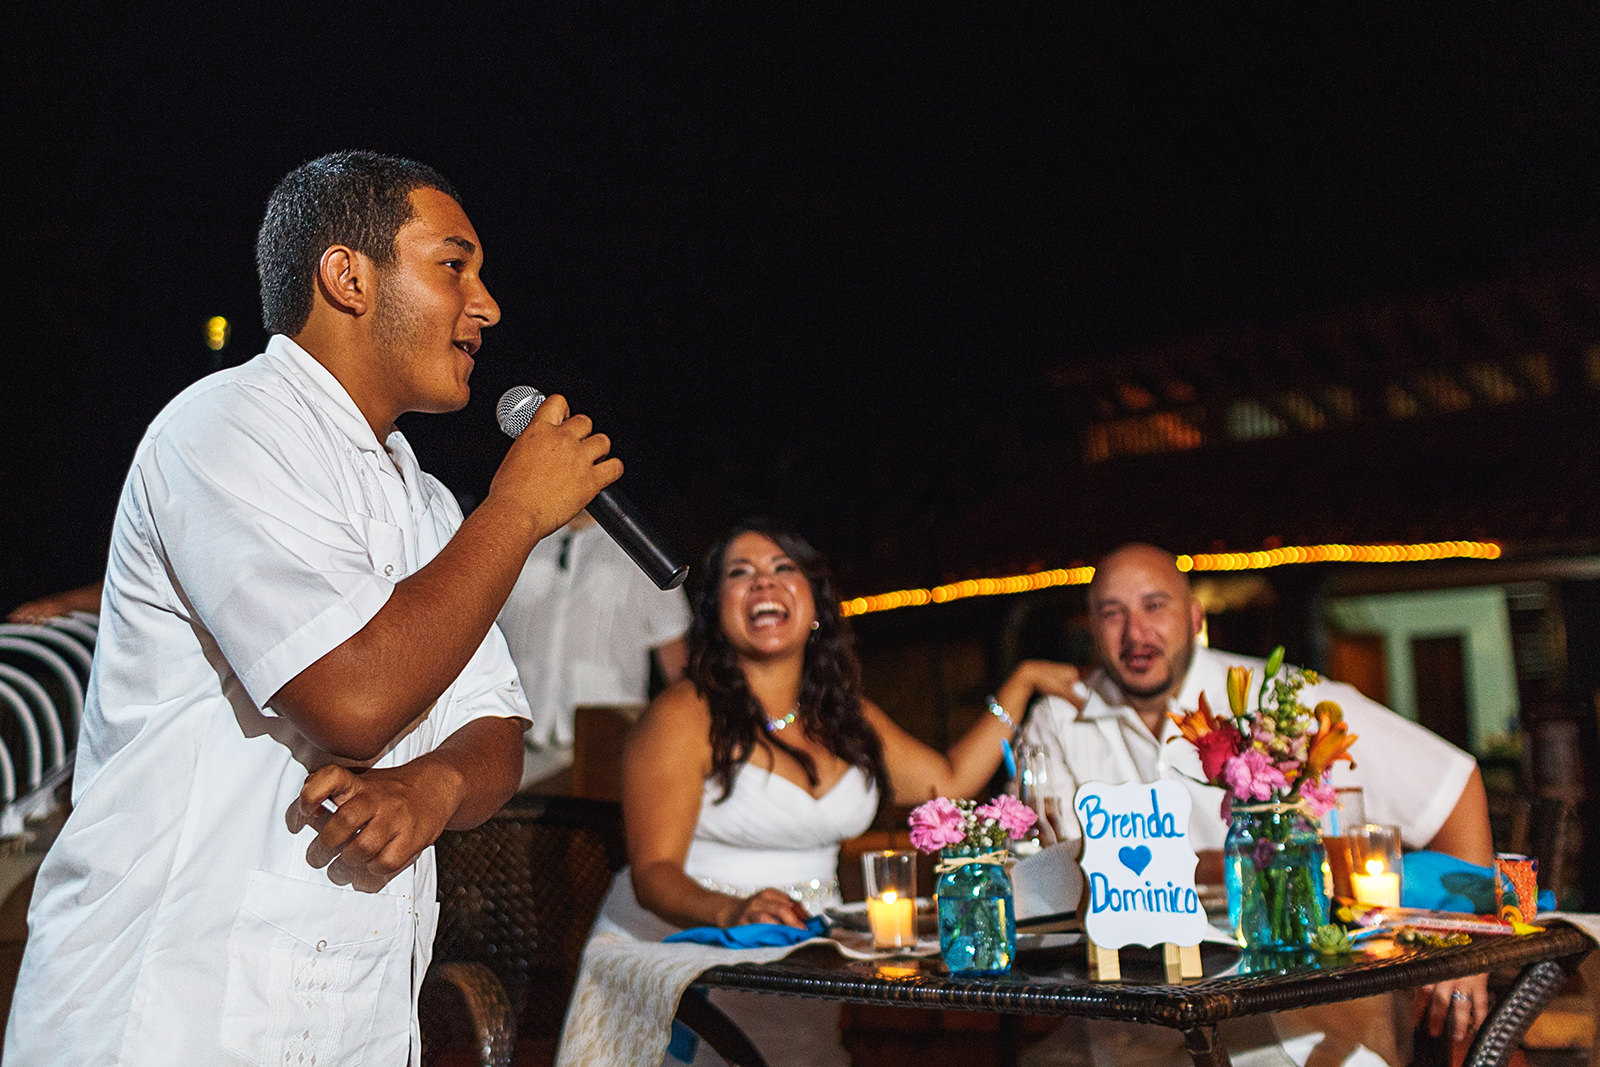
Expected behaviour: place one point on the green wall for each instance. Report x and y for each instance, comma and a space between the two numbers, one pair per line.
1478, 616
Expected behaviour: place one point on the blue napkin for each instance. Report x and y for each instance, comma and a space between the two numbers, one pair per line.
751, 935
683, 1045
1439, 882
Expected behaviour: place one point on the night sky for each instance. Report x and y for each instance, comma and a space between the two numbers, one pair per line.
794, 261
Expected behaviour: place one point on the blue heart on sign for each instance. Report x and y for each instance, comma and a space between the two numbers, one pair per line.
1135, 859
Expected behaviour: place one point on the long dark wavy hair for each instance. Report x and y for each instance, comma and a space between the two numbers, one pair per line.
830, 681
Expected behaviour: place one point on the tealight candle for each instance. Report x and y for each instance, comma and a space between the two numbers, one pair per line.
893, 920
1377, 886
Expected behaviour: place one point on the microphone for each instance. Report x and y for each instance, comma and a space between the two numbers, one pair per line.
615, 513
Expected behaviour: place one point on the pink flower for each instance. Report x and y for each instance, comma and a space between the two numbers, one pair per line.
936, 824
1014, 817
1320, 796
1251, 776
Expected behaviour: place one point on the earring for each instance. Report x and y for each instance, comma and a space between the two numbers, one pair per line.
815, 625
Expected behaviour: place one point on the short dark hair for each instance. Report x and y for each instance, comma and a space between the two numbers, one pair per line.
359, 199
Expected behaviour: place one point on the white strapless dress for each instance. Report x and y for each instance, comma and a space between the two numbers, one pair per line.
770, 832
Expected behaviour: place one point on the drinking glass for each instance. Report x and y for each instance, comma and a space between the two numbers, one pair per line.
1032, 786
1349, 811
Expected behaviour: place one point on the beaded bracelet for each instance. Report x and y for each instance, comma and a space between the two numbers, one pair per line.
1000, 713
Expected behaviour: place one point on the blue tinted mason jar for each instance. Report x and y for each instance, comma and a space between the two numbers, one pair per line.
1273, 863
977, 925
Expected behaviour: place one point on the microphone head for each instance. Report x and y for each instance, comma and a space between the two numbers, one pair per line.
516, 408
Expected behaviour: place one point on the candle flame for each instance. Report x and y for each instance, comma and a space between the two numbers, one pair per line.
890, 897
1374, 866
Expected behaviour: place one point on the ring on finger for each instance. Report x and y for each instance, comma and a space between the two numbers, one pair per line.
1458, 995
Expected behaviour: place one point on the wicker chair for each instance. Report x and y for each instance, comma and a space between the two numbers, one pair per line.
517, 897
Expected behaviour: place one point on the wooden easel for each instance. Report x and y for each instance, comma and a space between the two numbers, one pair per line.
1178, 961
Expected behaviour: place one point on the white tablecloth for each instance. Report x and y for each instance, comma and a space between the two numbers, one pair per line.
627, 992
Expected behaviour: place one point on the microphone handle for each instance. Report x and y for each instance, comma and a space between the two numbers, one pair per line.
642, 542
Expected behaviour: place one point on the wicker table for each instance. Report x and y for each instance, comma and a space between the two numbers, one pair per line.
1055, 982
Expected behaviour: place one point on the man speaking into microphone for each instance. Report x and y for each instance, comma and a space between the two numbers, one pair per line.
297, 684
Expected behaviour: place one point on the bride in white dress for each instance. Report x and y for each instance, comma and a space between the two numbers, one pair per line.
740, 781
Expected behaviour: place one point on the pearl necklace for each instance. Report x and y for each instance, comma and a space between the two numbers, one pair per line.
774, 725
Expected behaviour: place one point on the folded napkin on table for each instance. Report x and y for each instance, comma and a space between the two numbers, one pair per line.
1437, 882
750, 935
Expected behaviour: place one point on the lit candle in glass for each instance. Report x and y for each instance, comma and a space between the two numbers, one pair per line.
893, 919
1375, 862
891, 884
1377, 886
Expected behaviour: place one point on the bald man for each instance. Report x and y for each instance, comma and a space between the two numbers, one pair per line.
1146, 622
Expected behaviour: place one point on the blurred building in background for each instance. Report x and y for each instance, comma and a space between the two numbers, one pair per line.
1464, 416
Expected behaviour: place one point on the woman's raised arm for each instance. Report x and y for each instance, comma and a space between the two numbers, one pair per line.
918, 773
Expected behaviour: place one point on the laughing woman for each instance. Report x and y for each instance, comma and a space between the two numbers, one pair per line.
740, 781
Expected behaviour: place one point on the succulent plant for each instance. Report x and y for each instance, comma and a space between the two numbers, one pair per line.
1330, 940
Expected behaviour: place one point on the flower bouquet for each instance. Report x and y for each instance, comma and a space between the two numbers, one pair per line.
977, 924
1274, 762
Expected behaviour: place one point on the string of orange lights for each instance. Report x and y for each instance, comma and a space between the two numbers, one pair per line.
1203, 561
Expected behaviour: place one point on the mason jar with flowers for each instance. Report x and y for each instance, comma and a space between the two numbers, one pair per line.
977, 921
1274, 762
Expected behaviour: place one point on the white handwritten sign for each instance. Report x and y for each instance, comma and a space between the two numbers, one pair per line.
1138, 864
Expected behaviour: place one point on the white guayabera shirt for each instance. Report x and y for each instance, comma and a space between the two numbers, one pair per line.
581, 622
179, 919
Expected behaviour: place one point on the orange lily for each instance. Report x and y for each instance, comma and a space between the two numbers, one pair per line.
1332, 742
1196, 724
1215, 739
